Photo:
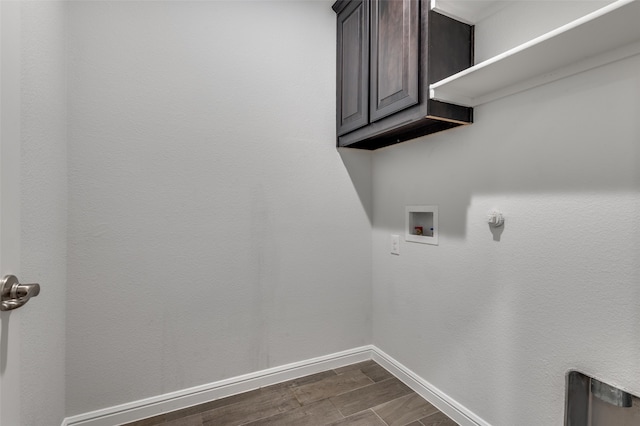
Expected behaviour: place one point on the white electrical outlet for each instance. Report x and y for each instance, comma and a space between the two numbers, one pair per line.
395, 245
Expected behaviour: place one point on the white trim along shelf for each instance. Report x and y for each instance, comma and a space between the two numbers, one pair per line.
607, 35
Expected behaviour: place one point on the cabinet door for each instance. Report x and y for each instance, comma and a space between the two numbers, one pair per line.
353, 67
395, 52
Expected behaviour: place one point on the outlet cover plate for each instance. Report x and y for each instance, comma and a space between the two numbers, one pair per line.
395, 245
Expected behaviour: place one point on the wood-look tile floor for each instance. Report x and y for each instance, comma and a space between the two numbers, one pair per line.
363, 394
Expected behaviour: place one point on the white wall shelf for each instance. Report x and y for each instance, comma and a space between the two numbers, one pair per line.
609, 34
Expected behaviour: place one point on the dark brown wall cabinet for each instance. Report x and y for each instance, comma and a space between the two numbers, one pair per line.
389, 51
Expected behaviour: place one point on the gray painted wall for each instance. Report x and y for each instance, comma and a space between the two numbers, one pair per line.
43, 184
213, 227
497, 324
214, 230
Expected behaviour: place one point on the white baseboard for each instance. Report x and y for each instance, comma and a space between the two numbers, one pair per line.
443, 402
149, 407
178, 400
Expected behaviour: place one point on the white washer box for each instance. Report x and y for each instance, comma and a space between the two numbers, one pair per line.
421, 224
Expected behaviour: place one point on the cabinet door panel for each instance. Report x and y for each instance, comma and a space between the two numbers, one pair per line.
353, 67
394, 56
